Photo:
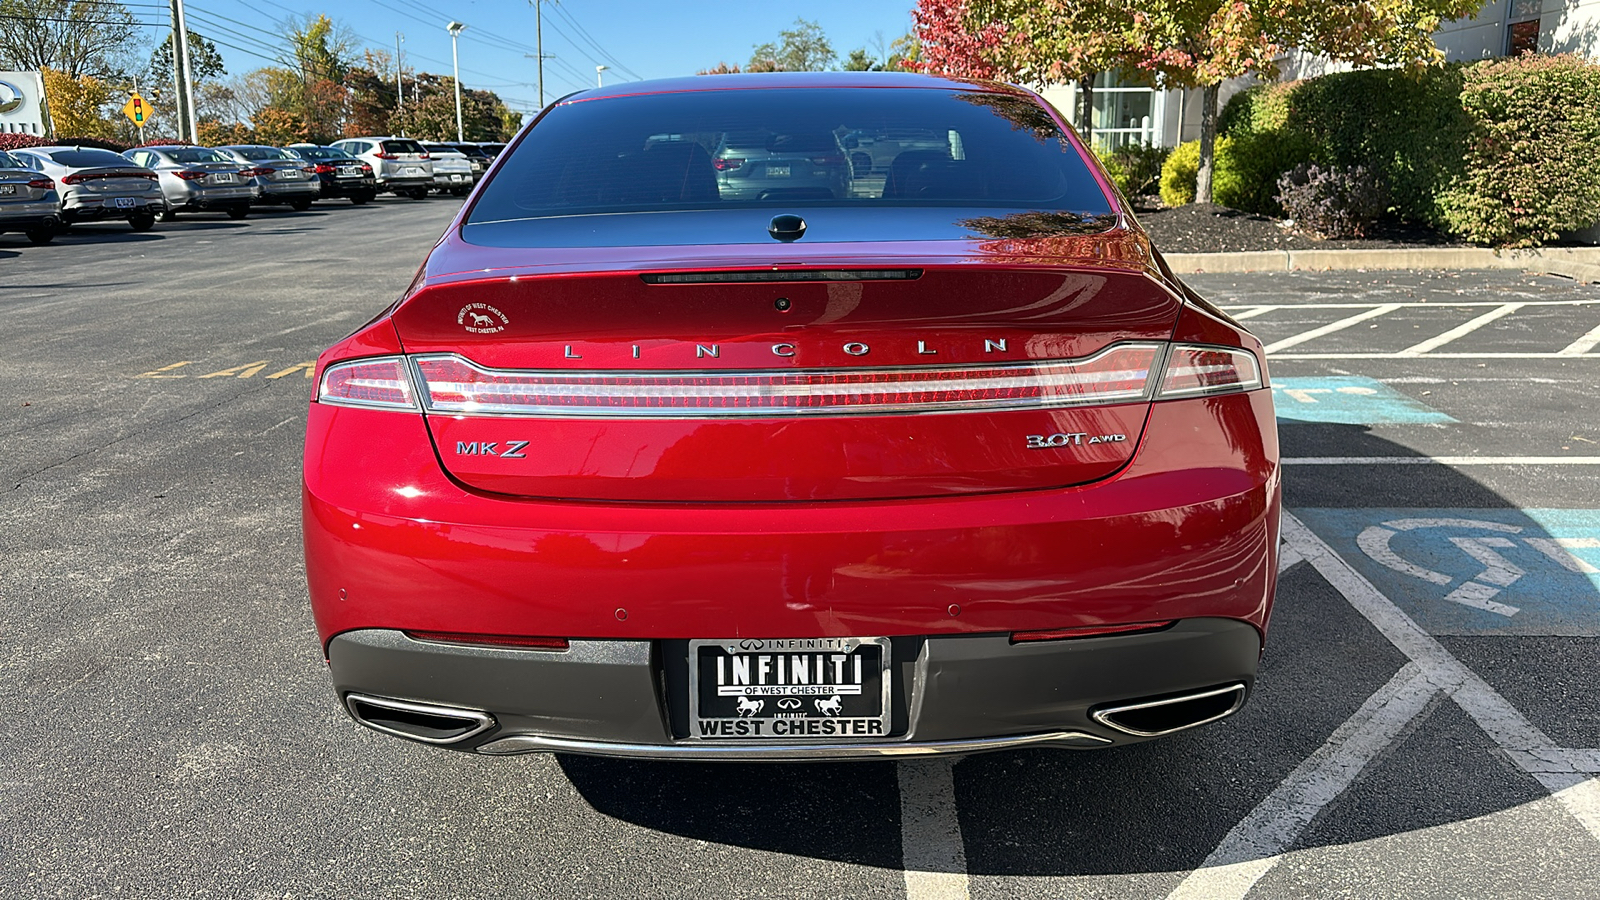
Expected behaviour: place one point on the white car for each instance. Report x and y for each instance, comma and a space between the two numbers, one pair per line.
452, 169
400, 165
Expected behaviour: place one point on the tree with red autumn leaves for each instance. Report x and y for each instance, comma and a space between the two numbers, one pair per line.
1174, 43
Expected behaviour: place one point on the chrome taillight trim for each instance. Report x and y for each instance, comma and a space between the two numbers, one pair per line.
407, 383
1026, 374
1252, 383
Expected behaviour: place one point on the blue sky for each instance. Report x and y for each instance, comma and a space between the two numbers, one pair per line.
644, 38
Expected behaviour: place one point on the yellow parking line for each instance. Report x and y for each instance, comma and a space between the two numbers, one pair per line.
307, 366
156, 373
244, 371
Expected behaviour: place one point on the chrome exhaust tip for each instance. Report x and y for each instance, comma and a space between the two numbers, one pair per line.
1167, 715
426, 722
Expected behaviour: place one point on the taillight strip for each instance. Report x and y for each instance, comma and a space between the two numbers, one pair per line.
1121, 373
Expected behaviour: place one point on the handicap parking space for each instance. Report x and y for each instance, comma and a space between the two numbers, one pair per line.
1349, 400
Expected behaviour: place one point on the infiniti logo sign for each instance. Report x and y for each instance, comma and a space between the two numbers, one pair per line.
11, 97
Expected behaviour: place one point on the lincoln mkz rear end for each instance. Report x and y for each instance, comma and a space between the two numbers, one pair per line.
947, 461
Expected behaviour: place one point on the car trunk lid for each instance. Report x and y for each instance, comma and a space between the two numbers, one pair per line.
686, 384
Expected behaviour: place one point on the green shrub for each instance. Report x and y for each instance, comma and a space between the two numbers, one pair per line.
1406, 126
1263, 146
1134, 168
1182, 169
1178, 174
1533, 156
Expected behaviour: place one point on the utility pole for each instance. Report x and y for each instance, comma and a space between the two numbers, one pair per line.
598, 82
538, 44
455, 29
179, 96
188, 73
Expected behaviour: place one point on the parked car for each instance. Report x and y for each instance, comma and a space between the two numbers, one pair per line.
399, 165
453, 171
638, 468
196, 179
760, 164
476, 155
338, 173
96, 184
492, 148
28, 201
276, 175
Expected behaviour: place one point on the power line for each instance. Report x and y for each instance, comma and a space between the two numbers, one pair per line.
610, 58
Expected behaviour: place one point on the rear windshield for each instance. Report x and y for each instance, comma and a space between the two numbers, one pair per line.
7, 162
85, 158
320, 153
402, 147
789, 148
262, 154
195, 155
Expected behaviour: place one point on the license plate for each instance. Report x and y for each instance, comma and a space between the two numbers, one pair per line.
8, 189
799, 689
349, 171
289, 173
413, 170
777, 171
222, 178
455, 177
124, 202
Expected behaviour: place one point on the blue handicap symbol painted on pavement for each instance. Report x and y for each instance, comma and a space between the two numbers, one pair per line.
1349, 400
1476, 571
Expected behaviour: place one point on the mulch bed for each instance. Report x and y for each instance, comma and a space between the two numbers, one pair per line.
1208, 228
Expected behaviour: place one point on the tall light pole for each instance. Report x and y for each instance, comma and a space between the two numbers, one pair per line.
598, 82
399, 89
455, 61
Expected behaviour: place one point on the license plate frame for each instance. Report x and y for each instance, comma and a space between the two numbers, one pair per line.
124, 202
222, 178
782, 171
7, 189
843, 695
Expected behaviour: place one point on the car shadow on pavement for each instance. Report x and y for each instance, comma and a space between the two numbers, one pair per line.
1164, 806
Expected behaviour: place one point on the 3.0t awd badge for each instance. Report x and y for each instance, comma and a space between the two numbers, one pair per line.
1071, 439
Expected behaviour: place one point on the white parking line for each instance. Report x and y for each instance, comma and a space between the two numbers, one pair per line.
1398, 355
1249, 312
1515, 735
931, 849
1442, 461
1435, 304
1254, 846
1461, 330
1582, 345
1331, 327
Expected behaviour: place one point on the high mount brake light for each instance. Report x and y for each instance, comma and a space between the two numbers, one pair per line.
380, 382
1194, 370
1119, 374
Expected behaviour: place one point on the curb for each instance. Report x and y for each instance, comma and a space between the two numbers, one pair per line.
1581, 264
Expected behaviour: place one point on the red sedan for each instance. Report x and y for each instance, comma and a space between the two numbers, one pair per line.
937, 458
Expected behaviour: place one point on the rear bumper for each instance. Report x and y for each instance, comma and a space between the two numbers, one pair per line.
950, 694
86, 207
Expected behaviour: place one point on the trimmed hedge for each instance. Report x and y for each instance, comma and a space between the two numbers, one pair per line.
1503, 152
16, 141
1533, 154
1230, 185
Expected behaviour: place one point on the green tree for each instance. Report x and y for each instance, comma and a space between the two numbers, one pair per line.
860, 61
432, 116
1195, 43
73, 37
205, 64
803, 48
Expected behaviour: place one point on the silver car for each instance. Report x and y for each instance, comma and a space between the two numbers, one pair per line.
276, 175
97, 184
766, 165
453, 171
401, 165
28, 201
196, 179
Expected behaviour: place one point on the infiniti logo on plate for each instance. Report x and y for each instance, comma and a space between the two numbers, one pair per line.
11, 97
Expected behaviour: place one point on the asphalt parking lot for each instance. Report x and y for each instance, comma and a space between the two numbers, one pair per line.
1426, 723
